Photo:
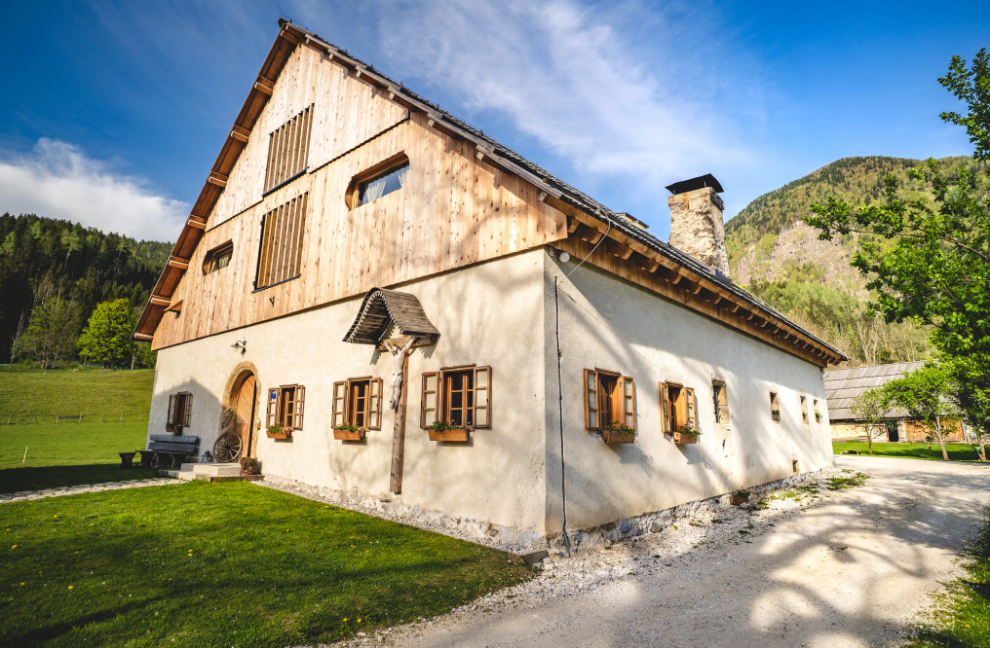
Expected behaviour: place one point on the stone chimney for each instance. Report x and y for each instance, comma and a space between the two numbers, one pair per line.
696, 226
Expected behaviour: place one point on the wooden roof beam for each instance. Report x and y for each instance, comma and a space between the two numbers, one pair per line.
240, 133
618, 250
218, 179
196, 223
180, 264
264, 86
158, 300
144, 337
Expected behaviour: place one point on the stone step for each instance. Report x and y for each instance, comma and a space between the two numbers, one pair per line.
214, 469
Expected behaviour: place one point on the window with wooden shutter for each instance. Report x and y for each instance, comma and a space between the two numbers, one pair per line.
720, 401
628, 402
690, 408
590, 399
288, 149
272, 410
609, 398
339, 404
179, 411
428, 401
375, 404
300, 407
483, 397
457, 397
280, 251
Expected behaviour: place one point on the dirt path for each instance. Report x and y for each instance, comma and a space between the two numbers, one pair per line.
851, 568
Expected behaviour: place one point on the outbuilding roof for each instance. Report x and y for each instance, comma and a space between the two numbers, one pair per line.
843, 385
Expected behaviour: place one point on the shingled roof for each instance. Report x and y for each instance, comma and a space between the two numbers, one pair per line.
843, 385
289, 37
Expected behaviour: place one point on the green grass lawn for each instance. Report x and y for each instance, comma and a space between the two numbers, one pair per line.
26, 394
68, 454
219, 565
961, 618
957, 451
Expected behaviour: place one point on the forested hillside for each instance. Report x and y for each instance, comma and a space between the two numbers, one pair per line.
780, 259
47, 261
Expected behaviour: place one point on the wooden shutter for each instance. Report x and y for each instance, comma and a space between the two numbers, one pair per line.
170, 420
272, 410
483, 398
429, 400
628, 391
187, 408
300, 406
691, 406
665, 422
590, 399
375, 404
338, 403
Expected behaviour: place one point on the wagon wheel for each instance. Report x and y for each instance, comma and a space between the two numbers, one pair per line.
227, 448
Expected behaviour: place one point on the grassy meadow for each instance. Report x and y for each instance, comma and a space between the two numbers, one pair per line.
230, 564
67, 453
930, 451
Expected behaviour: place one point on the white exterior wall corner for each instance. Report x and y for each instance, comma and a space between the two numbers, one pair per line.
606, 322
489, 314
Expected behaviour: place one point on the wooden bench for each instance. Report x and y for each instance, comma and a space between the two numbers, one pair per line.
171, 447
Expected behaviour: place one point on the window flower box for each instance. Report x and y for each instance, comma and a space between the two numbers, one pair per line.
279, 432
349, 433
448, 432
686, 435
616, 433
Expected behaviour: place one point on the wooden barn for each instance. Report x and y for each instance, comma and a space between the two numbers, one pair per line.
378, 301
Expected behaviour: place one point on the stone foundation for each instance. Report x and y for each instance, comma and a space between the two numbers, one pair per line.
523, 542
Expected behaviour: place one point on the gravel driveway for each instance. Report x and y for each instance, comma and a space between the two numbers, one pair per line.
845, 568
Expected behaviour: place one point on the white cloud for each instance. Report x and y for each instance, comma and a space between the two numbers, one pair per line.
593, 84
59, 180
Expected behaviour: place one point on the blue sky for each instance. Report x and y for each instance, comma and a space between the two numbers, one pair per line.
113, 112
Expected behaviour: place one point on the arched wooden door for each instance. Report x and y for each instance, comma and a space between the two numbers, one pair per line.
244, 409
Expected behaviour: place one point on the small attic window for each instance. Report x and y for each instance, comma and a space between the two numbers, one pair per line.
218, 258
378, 181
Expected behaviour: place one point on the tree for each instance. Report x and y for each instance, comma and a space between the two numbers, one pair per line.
971, 402
924, 394
107, 337
51, 333
928, 259
869, 408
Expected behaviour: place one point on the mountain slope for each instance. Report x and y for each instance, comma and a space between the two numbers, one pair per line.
782, 261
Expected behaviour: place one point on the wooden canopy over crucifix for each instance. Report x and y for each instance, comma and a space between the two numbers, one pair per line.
380, 312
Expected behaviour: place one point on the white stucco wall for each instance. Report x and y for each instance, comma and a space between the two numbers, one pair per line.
610, 324
502, 313
488, 314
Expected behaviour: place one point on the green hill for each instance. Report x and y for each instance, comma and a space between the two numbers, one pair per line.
781, 260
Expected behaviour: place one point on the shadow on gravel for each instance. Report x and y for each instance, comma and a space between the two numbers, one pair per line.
13, 480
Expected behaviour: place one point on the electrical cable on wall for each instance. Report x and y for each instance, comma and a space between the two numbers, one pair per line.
560, 421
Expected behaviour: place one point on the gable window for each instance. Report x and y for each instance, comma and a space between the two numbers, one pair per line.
608, 398
381, 180
179, 411
774, 406
679, 407
218, 258
288, 150
282, 233
460, 396
285, 406
358, 402
720, 400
